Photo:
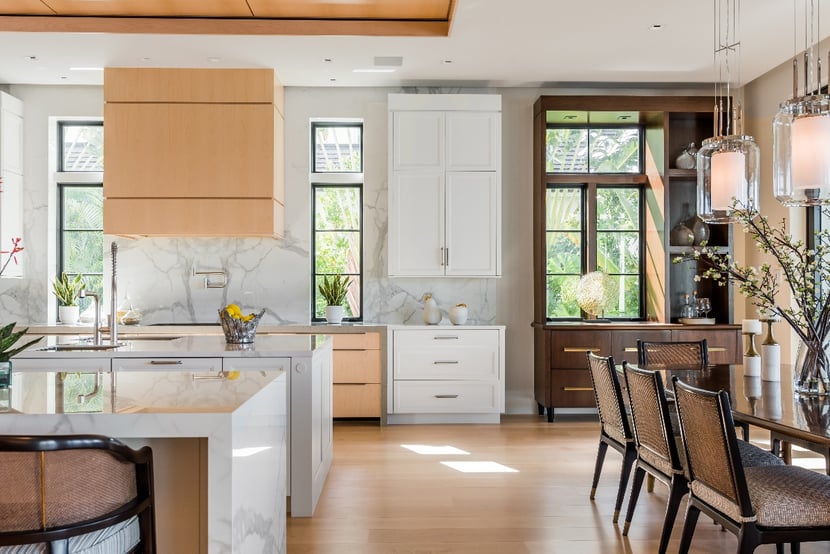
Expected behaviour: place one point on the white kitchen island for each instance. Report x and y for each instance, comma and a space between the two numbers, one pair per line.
226, 431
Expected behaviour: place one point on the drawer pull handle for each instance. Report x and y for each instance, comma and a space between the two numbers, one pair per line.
445, 337
165, 362
353, 384
446, 396
717, 349
630, 348
438, 362
582, 349
577, 389
218, 377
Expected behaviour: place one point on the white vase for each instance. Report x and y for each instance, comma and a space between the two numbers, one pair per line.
458, 315
431, 313
334, 314
68, 315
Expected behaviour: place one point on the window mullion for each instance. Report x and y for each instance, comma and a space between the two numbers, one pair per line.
591, 228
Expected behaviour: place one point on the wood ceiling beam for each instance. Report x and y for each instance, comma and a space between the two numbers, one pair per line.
221, 26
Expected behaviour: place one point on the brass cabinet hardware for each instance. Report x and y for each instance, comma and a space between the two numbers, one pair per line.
577, 389
580, 349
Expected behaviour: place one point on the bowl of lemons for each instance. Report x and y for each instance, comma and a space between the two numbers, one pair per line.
239, 328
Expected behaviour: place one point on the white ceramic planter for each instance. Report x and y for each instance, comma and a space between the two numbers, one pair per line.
432, 313
68, 315
334, 314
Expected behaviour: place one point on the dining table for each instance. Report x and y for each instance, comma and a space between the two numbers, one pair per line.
791, 418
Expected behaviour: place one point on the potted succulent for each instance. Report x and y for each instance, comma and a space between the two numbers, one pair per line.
333, 289
67, 290
8, 338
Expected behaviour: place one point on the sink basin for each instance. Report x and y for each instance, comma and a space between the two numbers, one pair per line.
77, 346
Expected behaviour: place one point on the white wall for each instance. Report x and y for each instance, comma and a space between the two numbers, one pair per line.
275, 274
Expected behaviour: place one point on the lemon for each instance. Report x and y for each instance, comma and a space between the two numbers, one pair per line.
232, 375
248, 317
234, 311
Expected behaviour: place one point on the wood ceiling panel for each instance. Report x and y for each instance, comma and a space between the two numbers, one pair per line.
366, 9
150, 8
25, 7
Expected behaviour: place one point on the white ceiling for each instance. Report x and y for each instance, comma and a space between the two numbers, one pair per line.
491, 43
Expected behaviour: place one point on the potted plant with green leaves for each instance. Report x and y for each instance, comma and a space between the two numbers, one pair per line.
333, 289
8, 338
68, 290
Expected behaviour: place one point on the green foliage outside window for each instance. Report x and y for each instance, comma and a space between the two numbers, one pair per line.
593, 150
619, 246
82, 245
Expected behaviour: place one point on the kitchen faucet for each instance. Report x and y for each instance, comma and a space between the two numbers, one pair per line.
96, 330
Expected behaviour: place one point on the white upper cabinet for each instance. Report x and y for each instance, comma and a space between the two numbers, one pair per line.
444, 185
11, 170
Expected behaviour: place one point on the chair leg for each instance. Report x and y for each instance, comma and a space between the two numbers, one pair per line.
692, 514
629, 457
636, 485
598, 467
795, 547
779, 548
650, 483
675, 496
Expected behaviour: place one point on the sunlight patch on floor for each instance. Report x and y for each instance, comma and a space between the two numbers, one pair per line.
480, 467
430, 450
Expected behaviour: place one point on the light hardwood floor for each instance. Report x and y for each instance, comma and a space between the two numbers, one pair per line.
382, 498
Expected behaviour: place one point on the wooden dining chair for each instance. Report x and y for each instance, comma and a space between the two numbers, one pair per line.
672, 354
615, 428
762, 504
64, 494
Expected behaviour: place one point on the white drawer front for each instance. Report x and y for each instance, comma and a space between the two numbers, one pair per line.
167, 364
442, 397
446, 338
61, 364
454, 355
256, 364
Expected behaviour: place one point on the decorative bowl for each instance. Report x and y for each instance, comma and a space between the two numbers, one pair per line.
238, 331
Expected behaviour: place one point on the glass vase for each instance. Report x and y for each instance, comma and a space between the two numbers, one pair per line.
810, 372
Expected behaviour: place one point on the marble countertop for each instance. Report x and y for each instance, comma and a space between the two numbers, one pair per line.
52, 346
198, 329
132, 392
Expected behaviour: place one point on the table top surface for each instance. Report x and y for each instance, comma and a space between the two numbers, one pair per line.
767, 404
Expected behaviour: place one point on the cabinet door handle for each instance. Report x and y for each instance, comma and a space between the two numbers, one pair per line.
166, 362
451, 337
577, 389
446, 396
717, 349
437, 362
581, 349
443, 256
447, 256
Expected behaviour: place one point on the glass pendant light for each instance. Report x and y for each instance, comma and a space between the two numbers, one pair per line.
728, 164
801, 130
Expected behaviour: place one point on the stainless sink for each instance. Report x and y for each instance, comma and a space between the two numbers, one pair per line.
77, 346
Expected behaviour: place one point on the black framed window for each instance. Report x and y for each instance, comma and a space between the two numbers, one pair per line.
337, 147
80, 197
594, 149
337, 243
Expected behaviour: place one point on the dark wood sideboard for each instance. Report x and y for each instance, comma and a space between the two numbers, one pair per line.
561, 378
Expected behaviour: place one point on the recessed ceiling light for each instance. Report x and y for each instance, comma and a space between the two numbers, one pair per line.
623, 117
656, 27
214, 59
31, 58
327, 60
569, 117
447, 62
64, 77
146, 59
332, 79
86, 69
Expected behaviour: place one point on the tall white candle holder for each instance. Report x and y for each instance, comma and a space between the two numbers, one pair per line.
752, 359
770, 354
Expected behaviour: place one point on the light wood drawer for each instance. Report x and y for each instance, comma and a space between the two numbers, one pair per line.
356, 341
356, 366
449, 338
445, 397
167, 364
460, 363
357, 400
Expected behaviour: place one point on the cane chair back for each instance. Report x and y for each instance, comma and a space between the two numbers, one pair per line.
657, 450
672, 355
69, 493
615, 427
